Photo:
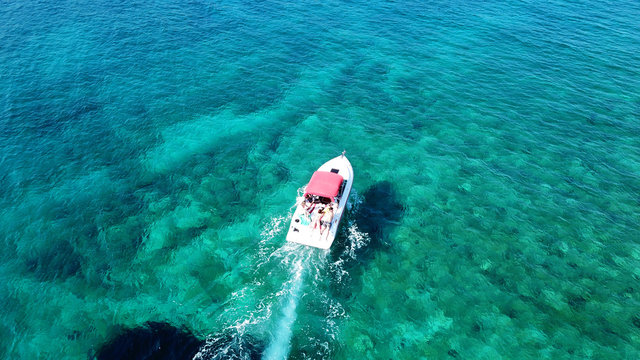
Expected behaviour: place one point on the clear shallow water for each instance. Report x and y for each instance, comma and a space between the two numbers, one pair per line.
151, 152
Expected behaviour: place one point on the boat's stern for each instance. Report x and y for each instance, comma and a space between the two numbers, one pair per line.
301, 231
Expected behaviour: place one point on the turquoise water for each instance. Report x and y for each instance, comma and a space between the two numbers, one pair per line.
150, 153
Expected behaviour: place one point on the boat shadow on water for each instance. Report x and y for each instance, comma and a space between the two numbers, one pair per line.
377, 215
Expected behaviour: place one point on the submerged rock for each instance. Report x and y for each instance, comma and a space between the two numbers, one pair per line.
162, 341
154, 340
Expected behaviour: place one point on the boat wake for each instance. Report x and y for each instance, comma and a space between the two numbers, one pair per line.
356, 240
261, 317
281, 342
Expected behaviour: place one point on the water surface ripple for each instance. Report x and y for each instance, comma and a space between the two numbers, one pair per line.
150, 153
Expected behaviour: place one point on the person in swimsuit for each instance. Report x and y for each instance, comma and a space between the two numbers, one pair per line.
305, 202
317, 217
325, 220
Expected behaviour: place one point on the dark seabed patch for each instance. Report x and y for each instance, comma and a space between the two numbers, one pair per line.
58, 261
162, 341
154, 340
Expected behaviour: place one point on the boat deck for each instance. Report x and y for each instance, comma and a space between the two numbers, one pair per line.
302, 231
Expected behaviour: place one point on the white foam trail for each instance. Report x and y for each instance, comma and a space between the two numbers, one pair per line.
279, 348
246, 314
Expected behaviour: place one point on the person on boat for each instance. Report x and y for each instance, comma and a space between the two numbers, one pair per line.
308, 204
317, 217
325, 220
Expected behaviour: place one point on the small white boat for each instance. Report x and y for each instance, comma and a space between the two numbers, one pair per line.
329, 187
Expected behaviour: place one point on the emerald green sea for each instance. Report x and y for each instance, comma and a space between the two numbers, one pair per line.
151, 153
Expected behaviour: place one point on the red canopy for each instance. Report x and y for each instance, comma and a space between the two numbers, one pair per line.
324, 183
